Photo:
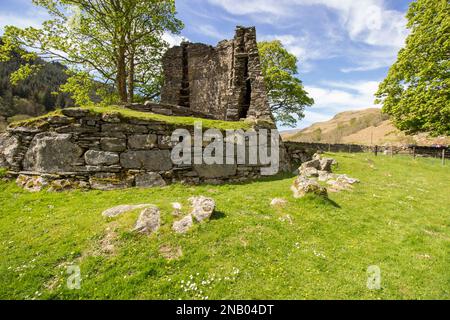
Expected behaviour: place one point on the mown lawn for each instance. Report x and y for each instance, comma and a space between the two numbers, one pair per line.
397, 218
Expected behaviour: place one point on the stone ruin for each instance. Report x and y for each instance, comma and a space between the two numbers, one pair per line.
224, 81
110, 150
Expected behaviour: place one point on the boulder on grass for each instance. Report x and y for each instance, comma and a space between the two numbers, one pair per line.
202, 207
149, 220
183, 225
303, 186
118, 210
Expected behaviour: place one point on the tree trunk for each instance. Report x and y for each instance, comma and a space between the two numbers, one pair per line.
121, 77
131, 76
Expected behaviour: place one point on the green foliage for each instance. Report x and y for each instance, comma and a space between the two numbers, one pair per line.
3, 172
118, 43
416, 92
251, 249
287, 96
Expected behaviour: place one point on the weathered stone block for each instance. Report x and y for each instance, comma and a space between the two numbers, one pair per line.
110, 181
142, 141
152, 160
124, 127
52, 152
9, 148
215, 170
149, 179
95, 158
113, 144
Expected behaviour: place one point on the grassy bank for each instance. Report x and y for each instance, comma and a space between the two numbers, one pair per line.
397, 218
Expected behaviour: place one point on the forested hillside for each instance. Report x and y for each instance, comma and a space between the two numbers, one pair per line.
33, 96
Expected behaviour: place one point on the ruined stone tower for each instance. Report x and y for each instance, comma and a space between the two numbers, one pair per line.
225, 82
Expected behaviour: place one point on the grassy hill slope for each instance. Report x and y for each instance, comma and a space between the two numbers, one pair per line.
366, 127
396, 218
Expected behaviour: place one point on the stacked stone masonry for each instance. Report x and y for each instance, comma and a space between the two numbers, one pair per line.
105, 152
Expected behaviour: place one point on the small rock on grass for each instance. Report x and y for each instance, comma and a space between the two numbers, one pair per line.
118, 210
202, 207
183, 225
149, 220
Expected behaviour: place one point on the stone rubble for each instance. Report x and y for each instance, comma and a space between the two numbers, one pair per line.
317, 170
149, 220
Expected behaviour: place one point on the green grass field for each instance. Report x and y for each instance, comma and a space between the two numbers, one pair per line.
397, 218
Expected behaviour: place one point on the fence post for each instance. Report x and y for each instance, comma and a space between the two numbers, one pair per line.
376, 150
414, 152
392, 151
443, 157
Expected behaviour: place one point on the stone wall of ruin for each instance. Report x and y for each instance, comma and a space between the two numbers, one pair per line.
104, 151
224, 81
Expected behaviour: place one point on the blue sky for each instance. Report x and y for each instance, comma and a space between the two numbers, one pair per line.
344, 47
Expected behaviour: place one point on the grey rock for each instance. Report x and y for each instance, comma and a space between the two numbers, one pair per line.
149, 179
183, 225
142, 141
149, 220
202, 207
309, 172
51, 152
124, 127
326, 163
303, 186
113, 144
215, 170
95, 158
9, 147
310, 164
278, 202
152, 160
118, 210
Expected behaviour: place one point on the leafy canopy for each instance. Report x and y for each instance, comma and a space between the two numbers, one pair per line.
287, 96
115, 42
416, 91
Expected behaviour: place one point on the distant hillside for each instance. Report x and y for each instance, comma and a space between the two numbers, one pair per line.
33, 96
369, 126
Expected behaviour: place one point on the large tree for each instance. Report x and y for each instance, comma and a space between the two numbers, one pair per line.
287, 96
416, 91
118, 42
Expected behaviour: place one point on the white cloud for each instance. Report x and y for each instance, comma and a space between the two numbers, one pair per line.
338, 96
173, 39
32, 18
210, 31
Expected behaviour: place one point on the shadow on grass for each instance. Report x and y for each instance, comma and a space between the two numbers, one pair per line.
319, 200
217, 215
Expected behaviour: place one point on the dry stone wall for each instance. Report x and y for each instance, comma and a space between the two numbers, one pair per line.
104, 151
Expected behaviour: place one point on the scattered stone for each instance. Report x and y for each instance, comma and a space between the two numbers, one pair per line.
95, 158
310, 164
149, 220
149, 179
202, 207
303, 186
278, 202
183, 225
326, 163
309, 172
118, 210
